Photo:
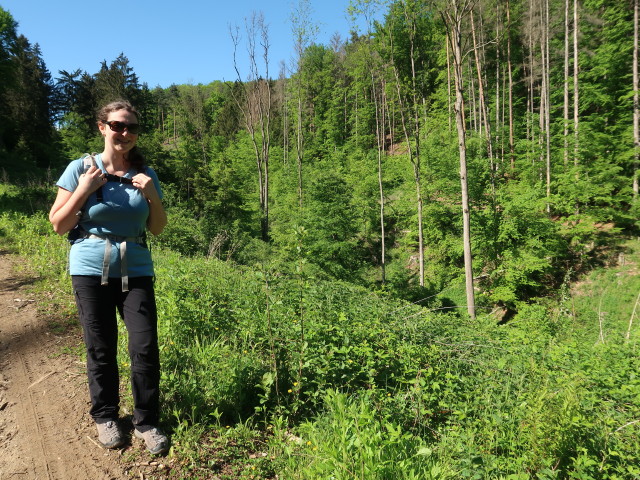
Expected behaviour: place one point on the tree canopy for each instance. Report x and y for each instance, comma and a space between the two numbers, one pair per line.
349, 164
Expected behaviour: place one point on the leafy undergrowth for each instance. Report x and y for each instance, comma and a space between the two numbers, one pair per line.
269, 376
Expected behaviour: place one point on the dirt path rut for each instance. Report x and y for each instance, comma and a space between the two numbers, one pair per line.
45, 430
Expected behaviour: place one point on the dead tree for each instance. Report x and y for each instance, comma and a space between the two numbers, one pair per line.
453, 15
256, 105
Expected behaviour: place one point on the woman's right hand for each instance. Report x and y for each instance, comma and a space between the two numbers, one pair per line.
91, 180
63, 214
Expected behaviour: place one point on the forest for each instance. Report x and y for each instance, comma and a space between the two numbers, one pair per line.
387, 205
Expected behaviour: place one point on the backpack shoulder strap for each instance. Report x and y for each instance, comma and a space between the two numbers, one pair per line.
88, 161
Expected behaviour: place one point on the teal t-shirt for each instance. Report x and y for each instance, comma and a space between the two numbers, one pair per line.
123, 212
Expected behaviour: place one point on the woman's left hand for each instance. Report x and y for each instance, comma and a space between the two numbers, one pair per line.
145, 184
157, 216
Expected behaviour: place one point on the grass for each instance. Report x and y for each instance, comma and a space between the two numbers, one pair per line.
266, 374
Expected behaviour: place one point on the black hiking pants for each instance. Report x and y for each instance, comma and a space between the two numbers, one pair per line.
97, 306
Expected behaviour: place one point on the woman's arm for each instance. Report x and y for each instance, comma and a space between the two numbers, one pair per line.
157, 216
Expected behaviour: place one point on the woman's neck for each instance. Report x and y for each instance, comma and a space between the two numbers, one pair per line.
115, 162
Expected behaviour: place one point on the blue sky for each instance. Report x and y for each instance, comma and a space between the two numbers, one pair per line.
182, 41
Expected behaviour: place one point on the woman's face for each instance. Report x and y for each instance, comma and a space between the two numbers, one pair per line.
120, 142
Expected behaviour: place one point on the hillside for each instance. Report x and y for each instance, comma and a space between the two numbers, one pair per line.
268, 374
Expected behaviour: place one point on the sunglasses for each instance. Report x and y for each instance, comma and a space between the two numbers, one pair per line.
119, 127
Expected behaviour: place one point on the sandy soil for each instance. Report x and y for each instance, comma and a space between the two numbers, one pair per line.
45, 429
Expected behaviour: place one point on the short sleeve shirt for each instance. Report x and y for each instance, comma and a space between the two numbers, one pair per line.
123, 212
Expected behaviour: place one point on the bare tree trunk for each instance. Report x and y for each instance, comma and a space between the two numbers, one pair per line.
565, 109
410, 20
547, 100
473, 118
303, 32
529, 121
512, 149
383, 241
576, 96
503, 113
380, 136
357, 119
449, 104
541, 118
484, 111
453, 20
546, 97
299, 143
499, 126
285, 112
264, 118
636, 103
530, 87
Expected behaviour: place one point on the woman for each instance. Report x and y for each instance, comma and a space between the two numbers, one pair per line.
106, 206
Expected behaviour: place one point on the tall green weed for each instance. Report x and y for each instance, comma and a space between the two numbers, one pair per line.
379, 388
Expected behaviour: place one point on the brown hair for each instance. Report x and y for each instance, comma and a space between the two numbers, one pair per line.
136, 159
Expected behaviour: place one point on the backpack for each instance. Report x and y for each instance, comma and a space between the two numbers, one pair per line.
88, 161
78, 233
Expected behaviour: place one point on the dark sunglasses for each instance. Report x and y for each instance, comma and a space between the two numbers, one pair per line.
119, 127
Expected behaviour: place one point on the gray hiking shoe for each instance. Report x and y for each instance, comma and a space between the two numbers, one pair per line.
109, 434
156, 441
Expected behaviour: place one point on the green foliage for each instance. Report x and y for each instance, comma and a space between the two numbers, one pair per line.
331, 227
183, 235
521, 247
464, 401
351, 439
27, 137
74, 134
29, 199
319, 379
327, 114
285, 336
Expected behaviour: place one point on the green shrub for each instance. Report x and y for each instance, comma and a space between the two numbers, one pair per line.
381, 388
351, 440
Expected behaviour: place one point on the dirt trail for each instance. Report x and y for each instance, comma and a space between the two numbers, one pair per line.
45, 430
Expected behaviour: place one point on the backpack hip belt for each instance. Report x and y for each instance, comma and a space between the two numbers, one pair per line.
108, 239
